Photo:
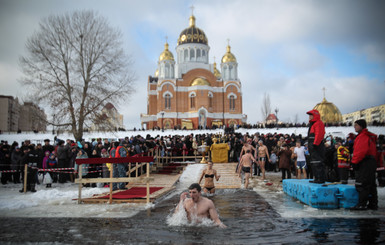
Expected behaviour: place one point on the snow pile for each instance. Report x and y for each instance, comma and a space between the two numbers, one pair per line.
59, 201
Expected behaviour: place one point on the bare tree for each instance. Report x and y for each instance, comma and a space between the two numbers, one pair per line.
266, 107
75, 65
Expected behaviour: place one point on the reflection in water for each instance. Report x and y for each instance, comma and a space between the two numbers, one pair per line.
366, 231
250, 220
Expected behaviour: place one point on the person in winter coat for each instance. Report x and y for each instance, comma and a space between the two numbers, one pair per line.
82, 154
106, 172
364, 162
16, 157
31, 160
284, 161
6, 165
62, 155
46, 157
381, 161
119, 168
343, 159
316, 146
51, 163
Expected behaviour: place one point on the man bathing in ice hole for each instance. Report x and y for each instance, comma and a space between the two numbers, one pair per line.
198, 207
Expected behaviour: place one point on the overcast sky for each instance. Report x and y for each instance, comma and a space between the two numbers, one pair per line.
289, 50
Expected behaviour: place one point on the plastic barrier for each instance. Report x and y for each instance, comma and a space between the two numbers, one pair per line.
331, 196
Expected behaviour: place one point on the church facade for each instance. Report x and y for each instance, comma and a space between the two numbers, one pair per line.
189, 92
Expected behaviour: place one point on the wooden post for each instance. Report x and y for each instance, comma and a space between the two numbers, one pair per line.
183, 154
80, 183
25, 177
157, 157
136, 170
111, 175
148, 182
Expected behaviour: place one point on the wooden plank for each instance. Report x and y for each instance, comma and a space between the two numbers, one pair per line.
114, 180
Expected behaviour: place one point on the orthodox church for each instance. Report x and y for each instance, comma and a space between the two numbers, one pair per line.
189, 92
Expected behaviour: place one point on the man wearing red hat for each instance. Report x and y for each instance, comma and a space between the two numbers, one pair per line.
316, 146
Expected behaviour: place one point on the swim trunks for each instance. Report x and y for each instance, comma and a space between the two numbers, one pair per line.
246, 169
301, 165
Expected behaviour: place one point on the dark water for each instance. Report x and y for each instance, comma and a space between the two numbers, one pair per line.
250, 220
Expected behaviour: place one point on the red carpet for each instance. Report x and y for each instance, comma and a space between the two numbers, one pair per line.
170, 169
134, 192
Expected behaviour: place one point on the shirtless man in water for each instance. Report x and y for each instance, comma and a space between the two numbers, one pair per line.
246, 166
198, 207
263, 154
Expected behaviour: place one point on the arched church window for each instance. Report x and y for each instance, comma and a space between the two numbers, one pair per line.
198, 54
231, 72
172, 72
210, 101
232, 102
192, 101
167, 70
192, 54
185, 55
225, 71
167, 101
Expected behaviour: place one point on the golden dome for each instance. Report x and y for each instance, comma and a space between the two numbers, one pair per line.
228, 57
166, 54
200, 81
192, 34
217, 74
156, 73
329, 112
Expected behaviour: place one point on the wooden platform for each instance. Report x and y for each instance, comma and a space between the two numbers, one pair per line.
228, 180
160, 180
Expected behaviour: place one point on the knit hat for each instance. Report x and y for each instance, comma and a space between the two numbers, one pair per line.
361, 122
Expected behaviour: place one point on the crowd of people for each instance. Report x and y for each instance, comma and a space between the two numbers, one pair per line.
322, 158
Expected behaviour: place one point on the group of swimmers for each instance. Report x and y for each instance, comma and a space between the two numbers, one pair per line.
202, 207
197, 206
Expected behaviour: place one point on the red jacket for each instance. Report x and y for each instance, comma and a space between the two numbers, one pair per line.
364, 145
317, 128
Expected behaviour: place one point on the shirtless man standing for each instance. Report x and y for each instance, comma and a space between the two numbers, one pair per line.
246, 146
246, 166
263, 153
198, 207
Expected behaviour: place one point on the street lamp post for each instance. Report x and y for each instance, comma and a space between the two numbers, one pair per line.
276, 116
162, 121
